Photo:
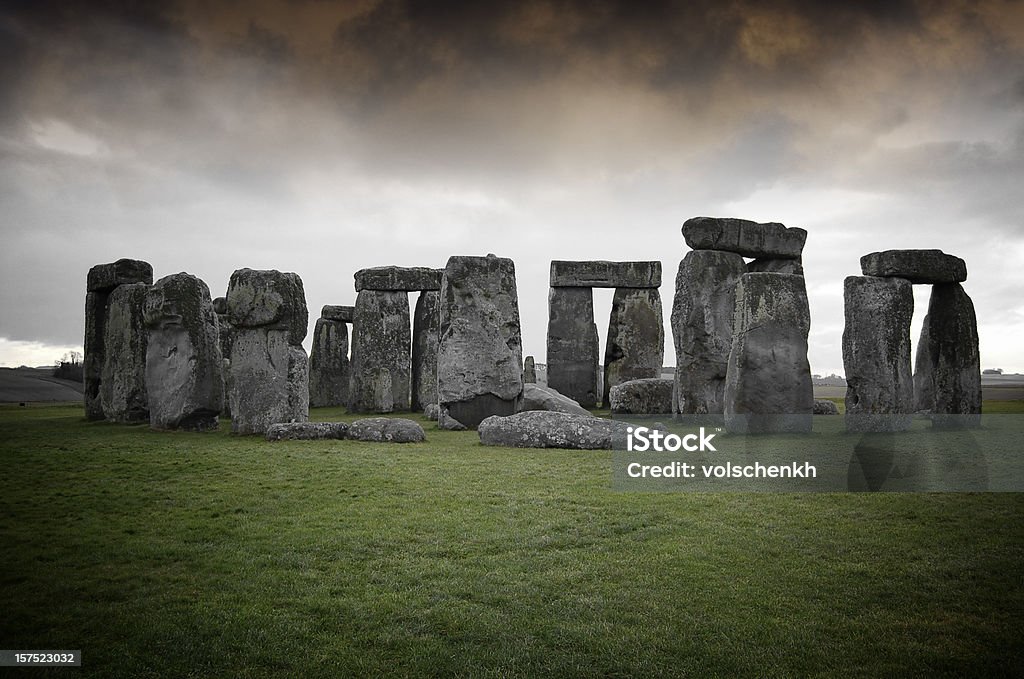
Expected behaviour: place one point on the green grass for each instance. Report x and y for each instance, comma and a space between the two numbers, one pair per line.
174, 554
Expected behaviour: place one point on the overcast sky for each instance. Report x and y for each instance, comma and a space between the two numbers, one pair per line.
322, 138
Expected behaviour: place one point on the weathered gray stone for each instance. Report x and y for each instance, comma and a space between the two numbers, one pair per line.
917, 266
386, 430
106, 277
447, 422
220, 307
93, 356
100, 282
545, 429
536, 397
268, 299
395, 278
636, 338
702, 317
432, 412
744, 237
183, 359
825, 407
328, 364
572, 344
947, 371
334, 312
123, 395
651, 396
768, 379
269, 369
306, 431
599, 274
425, 325
269, 381
529, 371
381, 353
480, 355
793, 266
876, 353
228, 382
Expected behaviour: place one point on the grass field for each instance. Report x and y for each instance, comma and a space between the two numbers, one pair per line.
163, 554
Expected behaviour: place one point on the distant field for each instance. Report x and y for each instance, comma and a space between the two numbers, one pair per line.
989, 392
36, 384
176, 554
829, 392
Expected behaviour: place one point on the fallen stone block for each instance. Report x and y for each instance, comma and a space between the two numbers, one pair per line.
651, 396
536, 397
306, 431
545, 429
385, 430
825, 407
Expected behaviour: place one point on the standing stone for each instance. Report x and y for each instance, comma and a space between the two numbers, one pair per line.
328, 364
702, 317
183, 359
947, 371
768, 379
636, 338
876, 353
529, 370
572, 344
220, 307
123, 394
480, 355
425, 325
269, 367
101, 281
381, 340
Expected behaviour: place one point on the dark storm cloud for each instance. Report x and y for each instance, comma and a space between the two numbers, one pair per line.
666, 45
265, 44
323, 137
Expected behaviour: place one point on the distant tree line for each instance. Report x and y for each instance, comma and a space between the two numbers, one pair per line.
69, 367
